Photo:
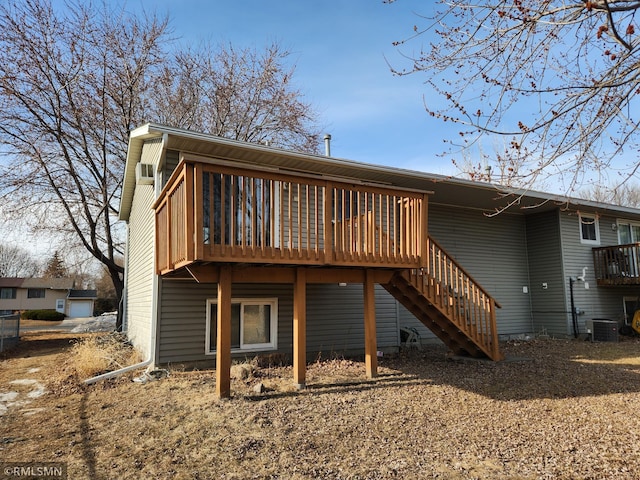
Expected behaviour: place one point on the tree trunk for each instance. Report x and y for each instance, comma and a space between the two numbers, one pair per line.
116, 274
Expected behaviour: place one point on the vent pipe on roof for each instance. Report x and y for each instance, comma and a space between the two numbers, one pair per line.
327, 144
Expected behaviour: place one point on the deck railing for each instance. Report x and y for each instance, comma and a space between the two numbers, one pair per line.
459, 297
617, 264
217, 213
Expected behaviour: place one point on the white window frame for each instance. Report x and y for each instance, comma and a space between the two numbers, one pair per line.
587, 241
259, 347
631, 224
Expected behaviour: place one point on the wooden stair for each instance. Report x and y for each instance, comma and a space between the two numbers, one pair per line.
450, 303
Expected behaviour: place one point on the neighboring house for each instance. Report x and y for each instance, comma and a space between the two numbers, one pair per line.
19, 294
80, 303
229, 253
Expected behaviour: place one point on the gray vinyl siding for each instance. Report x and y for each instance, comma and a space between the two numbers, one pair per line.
182, 327
595, 302
171, 160
335, 319
493, 251
548, 304
140, 259
335, 323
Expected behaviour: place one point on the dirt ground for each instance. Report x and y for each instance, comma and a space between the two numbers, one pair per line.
39, 323
556, 409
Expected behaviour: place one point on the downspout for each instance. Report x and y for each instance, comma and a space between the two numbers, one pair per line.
115, 373
574, 315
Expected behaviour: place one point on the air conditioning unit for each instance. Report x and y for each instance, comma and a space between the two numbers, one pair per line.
602, 330
144, 174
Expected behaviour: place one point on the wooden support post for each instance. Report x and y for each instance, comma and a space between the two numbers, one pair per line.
300, 328
370, 345
223, 343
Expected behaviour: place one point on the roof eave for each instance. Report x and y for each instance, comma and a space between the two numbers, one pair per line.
151, 130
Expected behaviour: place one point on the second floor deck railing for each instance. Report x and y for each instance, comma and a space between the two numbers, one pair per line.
219, 213
617, 264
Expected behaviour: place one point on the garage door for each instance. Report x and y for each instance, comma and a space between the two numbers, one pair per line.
80, 309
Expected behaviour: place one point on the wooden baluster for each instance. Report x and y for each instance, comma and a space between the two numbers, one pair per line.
290, 228
224, 228
233, 212
299, 189
307, 220
317, 220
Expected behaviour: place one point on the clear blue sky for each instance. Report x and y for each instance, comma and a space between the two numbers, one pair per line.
339, 49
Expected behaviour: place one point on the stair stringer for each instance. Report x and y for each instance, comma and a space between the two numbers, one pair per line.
436, 319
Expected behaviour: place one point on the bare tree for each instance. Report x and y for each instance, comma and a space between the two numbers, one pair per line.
627, 194
72, 85
244, 94
558, 79
16, 262
74, 82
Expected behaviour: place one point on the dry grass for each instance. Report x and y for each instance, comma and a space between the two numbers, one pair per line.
100, 353
39, 323
563, 409
89, 355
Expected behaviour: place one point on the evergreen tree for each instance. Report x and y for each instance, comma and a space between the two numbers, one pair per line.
55, 267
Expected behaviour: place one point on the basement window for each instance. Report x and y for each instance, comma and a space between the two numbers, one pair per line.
254, 324
589, 229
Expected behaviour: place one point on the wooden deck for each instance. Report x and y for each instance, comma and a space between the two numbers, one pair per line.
211, 213
617, 265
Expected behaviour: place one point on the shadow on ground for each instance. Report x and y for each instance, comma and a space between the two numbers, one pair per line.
533, 370
40, 343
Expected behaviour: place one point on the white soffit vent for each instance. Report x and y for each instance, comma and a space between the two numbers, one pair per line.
144, 174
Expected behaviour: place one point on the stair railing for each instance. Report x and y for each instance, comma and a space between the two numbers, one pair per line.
458, 296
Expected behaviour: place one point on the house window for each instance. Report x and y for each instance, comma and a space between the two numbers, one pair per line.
254, 324
628, 232
589, 230
7, 293
35, 293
